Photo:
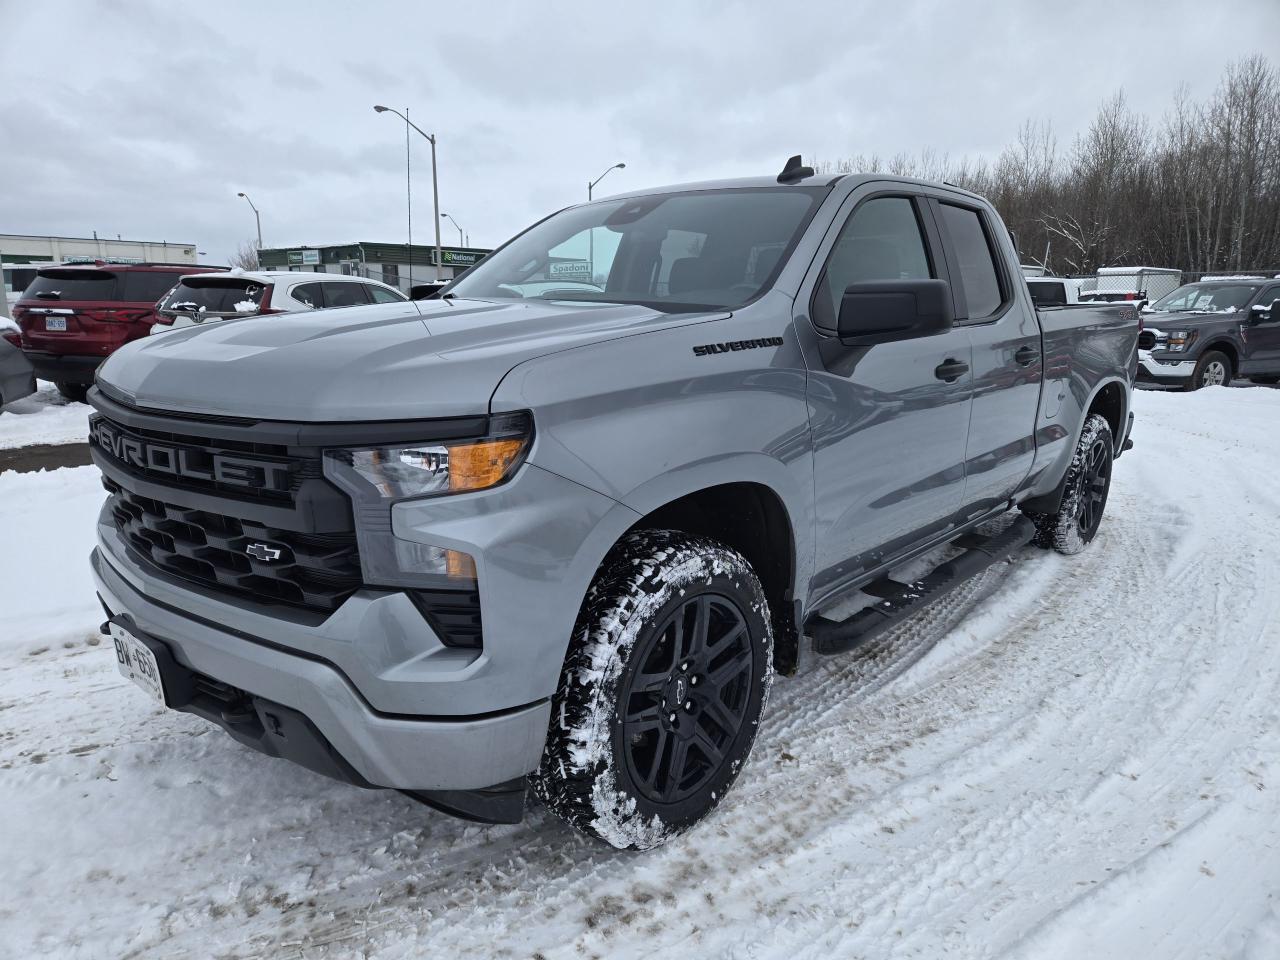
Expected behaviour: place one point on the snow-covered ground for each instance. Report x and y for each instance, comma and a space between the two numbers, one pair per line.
1069, 758
43, 417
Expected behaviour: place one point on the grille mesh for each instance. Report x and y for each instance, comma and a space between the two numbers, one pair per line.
313, 570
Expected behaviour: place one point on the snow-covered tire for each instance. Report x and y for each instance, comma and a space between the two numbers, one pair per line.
1084, 496
1212, 370
673, 626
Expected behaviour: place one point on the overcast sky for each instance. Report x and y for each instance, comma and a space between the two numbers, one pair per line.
146, 119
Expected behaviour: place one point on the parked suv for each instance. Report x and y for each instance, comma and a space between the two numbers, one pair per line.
73, 317
564, 536
1208, 333
237, 294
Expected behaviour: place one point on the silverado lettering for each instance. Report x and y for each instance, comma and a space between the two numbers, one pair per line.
707, 349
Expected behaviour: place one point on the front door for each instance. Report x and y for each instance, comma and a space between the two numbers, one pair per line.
889, 422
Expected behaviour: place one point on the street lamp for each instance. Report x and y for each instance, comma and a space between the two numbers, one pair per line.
446, 216
255, 216
591, 186
591, 234
435, 190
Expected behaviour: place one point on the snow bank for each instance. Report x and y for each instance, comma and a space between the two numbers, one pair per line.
43, 417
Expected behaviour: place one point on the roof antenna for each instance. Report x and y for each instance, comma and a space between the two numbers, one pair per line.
793, 171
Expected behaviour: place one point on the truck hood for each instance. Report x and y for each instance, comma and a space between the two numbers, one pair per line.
1174, 320
437, 358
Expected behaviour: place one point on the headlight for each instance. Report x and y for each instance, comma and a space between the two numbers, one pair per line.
376, 478
1179, 340
432, 468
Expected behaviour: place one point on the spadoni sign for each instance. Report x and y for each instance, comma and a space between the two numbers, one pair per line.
707, 349
190, 462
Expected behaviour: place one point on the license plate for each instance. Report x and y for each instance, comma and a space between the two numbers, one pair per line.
55, 323
135, 660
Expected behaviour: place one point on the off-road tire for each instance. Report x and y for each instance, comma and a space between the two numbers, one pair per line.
1203, 365
603, 724
1069, 530
75, 392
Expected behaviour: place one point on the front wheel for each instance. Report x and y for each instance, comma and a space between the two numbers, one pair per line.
1212, 370
1084, 496
662, 691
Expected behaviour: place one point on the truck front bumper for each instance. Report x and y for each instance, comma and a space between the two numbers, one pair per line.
318, 713
1164, 372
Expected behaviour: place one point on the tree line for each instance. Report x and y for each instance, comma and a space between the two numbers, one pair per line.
1199, 190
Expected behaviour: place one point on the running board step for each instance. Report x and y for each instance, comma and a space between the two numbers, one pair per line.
897, 600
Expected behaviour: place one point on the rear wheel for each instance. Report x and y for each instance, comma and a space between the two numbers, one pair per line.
75, 392
1071, 528
1212, 370
662, 691
1269, 380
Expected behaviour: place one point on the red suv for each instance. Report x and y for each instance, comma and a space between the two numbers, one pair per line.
72, 317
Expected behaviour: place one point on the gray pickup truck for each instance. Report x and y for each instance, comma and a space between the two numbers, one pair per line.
559, 529
1208, 333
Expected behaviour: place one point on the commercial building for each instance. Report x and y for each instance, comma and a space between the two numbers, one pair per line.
397, 264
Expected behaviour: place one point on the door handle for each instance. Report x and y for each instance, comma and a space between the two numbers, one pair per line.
1026, 356
950, 370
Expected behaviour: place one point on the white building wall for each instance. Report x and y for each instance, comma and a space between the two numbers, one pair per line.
15, 247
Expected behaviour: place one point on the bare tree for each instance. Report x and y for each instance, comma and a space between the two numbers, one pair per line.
1201, 191
246, 257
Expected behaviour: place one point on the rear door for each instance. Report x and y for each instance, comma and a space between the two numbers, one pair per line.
1007, 365
888, 421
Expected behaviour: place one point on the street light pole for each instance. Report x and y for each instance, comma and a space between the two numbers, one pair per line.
455, 223
435, 189
256, 217
591, 235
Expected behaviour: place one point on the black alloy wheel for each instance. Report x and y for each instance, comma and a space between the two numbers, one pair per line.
686, 702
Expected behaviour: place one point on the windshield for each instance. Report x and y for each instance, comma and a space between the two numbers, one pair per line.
1207, 298
714, 249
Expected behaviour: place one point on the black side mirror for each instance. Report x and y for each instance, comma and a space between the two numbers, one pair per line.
1261, 311
883, 311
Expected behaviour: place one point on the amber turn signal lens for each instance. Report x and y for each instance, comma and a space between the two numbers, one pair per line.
459, 565
475, 466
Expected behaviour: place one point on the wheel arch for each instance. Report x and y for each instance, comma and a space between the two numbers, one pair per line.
1110, 399
751, 518
1224, 346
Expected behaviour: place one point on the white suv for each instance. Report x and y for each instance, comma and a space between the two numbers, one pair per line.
207, 297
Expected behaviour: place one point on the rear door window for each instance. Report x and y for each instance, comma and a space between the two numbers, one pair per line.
310, 294
146, 286
969, 245
340, 294
73, 285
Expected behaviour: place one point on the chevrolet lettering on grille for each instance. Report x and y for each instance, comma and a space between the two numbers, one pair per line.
190, 462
